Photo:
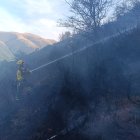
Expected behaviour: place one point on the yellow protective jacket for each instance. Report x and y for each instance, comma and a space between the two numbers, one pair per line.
19, 75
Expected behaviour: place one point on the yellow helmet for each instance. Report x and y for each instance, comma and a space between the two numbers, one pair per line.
20, 62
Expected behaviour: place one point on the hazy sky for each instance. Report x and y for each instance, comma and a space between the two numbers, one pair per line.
34, 16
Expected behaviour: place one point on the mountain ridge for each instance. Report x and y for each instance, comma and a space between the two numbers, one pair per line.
14, 44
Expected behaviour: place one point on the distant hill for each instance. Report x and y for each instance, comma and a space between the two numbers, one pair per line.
13, 44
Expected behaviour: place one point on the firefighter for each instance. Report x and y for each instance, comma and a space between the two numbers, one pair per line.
21, 77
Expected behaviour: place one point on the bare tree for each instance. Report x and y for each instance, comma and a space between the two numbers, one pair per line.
129, 10
123, 8
64, 36
136, 10
86, 14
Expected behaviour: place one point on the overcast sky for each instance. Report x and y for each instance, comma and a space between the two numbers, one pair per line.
34, 16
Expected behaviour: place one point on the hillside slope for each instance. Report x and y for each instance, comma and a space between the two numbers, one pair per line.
86, 95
